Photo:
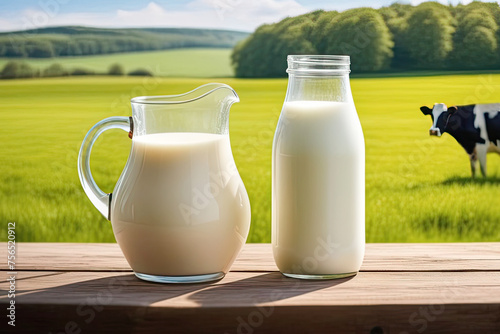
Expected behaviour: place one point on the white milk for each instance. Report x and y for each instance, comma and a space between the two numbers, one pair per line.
180, 207
318, 189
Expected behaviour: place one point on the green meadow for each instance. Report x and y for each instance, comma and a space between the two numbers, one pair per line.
187, 62
418, 188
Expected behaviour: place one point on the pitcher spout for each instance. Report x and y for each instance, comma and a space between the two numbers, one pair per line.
220, 97
204, 109
222, 91
216, 99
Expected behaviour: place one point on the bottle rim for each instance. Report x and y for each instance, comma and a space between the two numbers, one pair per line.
319, 64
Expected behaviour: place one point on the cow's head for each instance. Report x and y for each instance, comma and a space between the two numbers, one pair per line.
440, 118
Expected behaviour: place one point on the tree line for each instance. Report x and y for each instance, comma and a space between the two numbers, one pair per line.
82, 41
399, 37
21, 69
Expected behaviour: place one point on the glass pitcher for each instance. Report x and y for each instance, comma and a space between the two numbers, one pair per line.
179, 210
318, 195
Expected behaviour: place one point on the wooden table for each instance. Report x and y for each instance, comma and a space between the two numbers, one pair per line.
402, 288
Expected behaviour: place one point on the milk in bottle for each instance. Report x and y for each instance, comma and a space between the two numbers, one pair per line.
318, 200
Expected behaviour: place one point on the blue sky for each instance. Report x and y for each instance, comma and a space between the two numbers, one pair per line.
243, 15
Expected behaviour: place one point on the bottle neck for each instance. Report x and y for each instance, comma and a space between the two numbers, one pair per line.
334, 88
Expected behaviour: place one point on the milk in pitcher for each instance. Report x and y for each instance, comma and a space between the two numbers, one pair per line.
201, 205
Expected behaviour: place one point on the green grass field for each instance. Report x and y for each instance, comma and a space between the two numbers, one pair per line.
418, 188
195, 62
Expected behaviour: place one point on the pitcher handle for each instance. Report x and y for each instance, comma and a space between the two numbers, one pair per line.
99, 198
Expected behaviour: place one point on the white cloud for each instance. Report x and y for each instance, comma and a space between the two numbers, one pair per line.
257, 9
7, 25
444, 2
216, 14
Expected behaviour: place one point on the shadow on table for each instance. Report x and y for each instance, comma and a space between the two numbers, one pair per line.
121, 298
260, 288
126, 289
119, 289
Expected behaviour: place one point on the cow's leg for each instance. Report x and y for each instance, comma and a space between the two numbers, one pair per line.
473, 162
481, 150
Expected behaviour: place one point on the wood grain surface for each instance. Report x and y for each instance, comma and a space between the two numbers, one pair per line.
402, 288
258, 257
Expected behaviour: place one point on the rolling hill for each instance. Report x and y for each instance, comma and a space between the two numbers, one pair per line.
82, 41
187, 62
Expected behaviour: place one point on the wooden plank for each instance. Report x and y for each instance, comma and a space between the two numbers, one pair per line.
68, 256
258, 257
385, 302
239, 289
432, 257
362, 319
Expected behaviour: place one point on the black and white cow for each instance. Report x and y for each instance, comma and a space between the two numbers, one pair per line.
476, 127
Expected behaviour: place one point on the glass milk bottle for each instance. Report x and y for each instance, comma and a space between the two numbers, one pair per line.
318, 188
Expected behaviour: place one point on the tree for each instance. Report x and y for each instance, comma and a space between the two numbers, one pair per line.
142, 72
116, 69
362, 34
55, 70
82, 71
16, 69
319, 37
87, 46
264, 53
39, 49
475, 41
400, 9
429, 35
396, 19
480, 44
12, 46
